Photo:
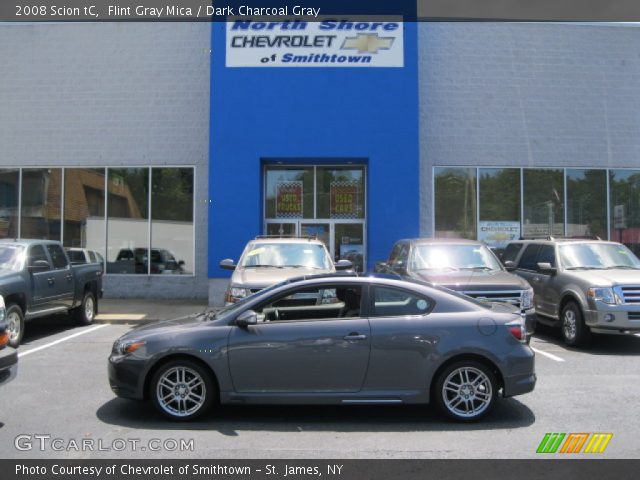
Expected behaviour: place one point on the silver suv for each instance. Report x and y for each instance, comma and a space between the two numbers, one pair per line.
268, 260
584, 286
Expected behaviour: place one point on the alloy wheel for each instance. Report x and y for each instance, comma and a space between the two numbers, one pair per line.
181, 391
467, 392
13, 327
569, 324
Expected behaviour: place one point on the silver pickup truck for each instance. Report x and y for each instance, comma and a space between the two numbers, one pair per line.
583, 286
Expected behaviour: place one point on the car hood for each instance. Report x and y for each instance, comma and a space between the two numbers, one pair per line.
470, 281
607, 278
165, 325
258, 278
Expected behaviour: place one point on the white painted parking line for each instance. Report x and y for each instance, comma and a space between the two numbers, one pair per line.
549, 355
64, 339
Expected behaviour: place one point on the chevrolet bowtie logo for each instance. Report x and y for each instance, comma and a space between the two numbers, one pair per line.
367, 43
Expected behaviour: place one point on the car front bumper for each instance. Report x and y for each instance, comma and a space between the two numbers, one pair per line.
126, 377
614, 319
8, 364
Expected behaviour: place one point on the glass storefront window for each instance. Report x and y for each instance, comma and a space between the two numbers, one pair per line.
128, 226
41, 201
289, 192
340, 192
9, 179
84, 202
543, 201
499, 221
455, 202
586, 203
625, 208
172, 221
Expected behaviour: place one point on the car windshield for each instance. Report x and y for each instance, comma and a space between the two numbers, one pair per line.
11, 257
597, 256
283, 255
453, 257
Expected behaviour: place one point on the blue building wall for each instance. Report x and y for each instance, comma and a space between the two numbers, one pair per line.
297, 114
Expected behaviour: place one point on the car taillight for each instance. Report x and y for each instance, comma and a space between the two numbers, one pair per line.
518, 330
4, 339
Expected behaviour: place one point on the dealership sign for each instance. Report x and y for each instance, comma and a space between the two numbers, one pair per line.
289, 199
323, 43
498, 234
344, 200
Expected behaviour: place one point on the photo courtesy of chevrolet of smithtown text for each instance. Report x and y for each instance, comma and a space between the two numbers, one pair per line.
349, 239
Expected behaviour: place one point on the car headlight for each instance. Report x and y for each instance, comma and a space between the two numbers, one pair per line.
236, 293
527, 299
124, 347
604, 295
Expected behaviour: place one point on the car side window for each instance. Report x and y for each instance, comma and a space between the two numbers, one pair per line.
58, 258
401, 256
327, 302
547, 254
395, 302
528, 259
36, 252
511, 252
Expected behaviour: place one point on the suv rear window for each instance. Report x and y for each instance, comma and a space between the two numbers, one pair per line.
511, 252
528, 259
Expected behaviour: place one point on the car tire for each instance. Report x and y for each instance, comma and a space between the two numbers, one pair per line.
85, 314
182, 390
466, 391
15, 324
575, 332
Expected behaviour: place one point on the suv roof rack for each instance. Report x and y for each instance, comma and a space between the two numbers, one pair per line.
304, 237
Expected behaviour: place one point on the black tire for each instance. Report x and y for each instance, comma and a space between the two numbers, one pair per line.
15, 319
481, 397
173, 408
575, 332
85, 314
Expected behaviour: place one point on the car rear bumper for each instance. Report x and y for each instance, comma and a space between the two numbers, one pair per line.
520, 376
519, 384
8, 365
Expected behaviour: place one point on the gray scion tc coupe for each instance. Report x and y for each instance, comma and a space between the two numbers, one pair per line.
331, 339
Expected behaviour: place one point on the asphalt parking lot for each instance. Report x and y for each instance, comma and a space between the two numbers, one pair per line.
62, 393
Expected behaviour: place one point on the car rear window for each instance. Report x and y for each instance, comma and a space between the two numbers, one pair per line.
395, 302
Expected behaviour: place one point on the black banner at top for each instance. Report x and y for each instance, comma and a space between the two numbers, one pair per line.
310, 10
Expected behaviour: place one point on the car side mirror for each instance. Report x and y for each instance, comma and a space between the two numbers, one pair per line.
228, 264
247, 318
545, 267
510, 266
344, 265
39, 266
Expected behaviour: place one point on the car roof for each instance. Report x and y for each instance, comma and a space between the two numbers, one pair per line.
553, 241
441, 241
294, 240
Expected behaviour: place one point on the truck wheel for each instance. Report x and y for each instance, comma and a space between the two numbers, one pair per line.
575, 332
85, 314
15, 327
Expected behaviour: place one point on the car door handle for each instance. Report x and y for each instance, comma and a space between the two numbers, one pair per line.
51, 280
354, 337
69, 277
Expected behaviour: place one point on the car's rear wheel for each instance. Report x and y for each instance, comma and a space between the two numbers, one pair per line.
575, 332
85, 314
466, 391
182, 390
15, 324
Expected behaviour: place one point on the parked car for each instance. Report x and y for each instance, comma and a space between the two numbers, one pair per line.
8, 355
583, 286
37, 280
136, 261
331, 339
80, 256
268, 260
466, 266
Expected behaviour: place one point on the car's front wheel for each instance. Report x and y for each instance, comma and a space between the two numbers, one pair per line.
15, 324
182, 390
575, 332
466, 391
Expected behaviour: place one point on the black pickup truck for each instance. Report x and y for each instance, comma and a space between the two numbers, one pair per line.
37, 279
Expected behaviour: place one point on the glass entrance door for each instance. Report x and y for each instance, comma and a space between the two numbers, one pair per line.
327, 202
